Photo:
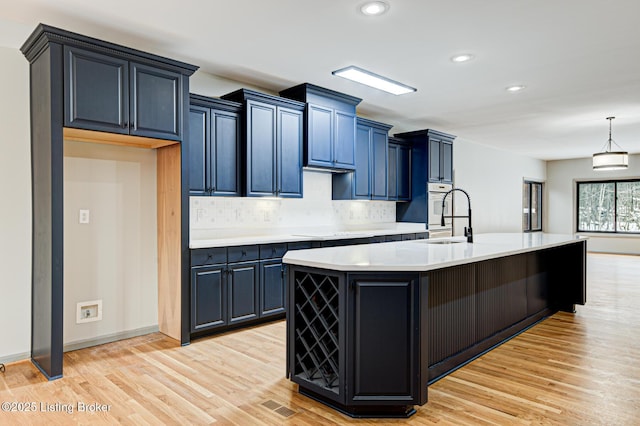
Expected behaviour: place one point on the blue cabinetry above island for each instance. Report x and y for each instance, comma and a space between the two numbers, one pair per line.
329, 128
272, 132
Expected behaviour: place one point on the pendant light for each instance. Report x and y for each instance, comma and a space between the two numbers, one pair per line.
608, 159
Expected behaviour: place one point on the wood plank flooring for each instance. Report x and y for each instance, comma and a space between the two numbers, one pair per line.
571, 369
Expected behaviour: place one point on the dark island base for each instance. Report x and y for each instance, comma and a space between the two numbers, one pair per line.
451, 364
369, 343
379, 411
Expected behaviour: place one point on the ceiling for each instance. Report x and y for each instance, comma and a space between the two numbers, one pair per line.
579, 59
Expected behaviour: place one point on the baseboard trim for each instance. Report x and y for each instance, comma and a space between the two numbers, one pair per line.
86, 343
15, 357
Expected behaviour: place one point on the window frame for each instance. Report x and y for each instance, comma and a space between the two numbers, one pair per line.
531, 183
615, 207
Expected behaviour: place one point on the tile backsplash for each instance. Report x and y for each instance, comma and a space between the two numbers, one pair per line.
315, 209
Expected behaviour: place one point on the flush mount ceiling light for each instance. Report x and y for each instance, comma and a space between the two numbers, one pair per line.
376, 81
515, 88
464, 57
374, 8
608, 159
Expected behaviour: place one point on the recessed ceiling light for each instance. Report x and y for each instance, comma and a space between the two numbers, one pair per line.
462, 57
515, 88
374, 8
374, 80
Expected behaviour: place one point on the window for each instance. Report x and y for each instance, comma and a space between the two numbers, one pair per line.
532, 206
609, 206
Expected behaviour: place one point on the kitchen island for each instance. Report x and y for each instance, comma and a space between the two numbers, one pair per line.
370, 327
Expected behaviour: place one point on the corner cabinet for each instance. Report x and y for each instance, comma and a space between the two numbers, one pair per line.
355, 341
369, 180
431, 162
399, 176
329, 127
272, 134
214, 146
111, 94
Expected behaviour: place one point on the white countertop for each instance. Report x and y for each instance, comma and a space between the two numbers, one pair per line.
424, 255
237, 237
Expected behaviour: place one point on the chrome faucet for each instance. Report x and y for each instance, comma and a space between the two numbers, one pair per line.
468, 232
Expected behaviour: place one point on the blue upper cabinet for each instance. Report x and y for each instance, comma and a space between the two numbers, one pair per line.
112, 94
329, 126
272, 135
214, 146
289, 152
440, 159
431, 161
369, 179
320, 122
399, 175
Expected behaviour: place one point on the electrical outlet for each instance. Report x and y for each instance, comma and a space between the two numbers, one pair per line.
89, 311
83, 216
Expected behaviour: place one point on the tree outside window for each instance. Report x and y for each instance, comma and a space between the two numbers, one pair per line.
609, 206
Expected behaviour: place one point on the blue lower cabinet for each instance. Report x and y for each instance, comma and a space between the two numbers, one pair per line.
243, 291
208, 297
272, 287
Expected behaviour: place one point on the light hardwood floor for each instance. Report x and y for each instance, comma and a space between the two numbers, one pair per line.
571, 369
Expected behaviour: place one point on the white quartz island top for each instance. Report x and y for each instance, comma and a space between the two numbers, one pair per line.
424, 255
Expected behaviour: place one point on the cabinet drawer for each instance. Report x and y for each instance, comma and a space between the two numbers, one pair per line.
242, 253
422, 235
300, 245
397, 237
209, 256
272, 251
377, 239
406, 237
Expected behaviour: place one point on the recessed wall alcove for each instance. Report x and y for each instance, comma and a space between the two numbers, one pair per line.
137, 83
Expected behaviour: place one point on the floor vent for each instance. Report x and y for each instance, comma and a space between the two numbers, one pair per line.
271, 405
283, 411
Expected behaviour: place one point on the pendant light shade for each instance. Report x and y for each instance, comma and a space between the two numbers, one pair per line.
608, 159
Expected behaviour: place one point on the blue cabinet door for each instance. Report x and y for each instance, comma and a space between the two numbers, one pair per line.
403, 173
379, 165
243, 291
434, 160
199, 149
446, 164
289, 150
319, 136
155, 102
261, 149
272, 288
392, 175
96, 91
208, 297
344, 140
361, 176
382, 340
224, 157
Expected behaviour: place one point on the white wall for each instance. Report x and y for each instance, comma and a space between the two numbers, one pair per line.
561, 185
493, 180
15, 215
113, 258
